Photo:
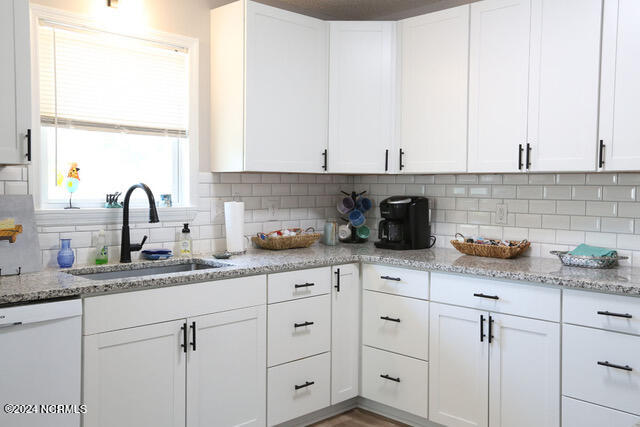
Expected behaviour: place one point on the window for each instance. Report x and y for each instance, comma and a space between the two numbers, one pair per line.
118, 107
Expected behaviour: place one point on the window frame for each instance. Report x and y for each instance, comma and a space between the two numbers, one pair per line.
37, 169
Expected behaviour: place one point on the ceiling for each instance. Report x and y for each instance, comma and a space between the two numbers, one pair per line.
345, 10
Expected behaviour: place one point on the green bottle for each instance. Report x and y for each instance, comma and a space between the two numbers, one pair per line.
102, 252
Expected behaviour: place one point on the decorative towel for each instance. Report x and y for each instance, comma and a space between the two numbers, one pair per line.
586, 250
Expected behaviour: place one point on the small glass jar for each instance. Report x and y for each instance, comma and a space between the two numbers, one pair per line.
330, 237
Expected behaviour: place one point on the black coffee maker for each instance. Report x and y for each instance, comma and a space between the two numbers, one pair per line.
406, 223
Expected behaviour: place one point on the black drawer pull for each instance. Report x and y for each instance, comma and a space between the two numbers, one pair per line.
390, 319
387, 377
306, 384
303, 285
193, 335
608, 313
612, 365
183, 328
496, 297
490, 329
396, 279
302, 325
482, 335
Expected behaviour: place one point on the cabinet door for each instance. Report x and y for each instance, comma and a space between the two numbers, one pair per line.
459, 366
524, 385
15, 74
135, 377
433, 98
345, 332
226, 372
620, 86
361, 82
498, 83
286, 90
563, 84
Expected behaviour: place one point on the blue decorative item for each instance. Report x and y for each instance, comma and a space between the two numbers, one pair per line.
65, 254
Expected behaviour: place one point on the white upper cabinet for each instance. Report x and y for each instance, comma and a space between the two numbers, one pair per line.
269, 106
620, 86
15, 86
361, 86
563, 84
434, 52
498, 83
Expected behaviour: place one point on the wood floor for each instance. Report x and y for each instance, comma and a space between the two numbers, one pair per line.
358, 418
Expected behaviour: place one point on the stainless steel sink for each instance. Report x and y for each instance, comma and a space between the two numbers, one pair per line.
146, 271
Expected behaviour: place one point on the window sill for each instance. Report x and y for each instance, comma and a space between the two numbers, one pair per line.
102, 216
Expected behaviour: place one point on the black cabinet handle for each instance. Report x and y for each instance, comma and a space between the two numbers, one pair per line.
490, 329
528, 156
28, 136
390, 319
306, 384
601, 154
183, 328
303, 285
386, 160
387, 377
608, 313
193, 336
482, 335
520, 150
302, 325
324, 154
480, 295
337, 273
397, 279
401, 154
612, 365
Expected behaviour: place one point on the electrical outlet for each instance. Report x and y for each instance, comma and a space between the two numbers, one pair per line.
501, 214
272, 204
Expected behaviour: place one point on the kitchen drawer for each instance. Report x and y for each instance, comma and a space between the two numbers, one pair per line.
576, 413
130, 309
612, 312
394, 280
500, 297
286, 341
398, 381
299, 284
404, 330
298, 388
585, 379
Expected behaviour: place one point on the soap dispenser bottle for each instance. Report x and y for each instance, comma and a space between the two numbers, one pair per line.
102, 254
185, 241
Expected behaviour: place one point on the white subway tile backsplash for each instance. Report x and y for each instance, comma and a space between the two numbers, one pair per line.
585, 223
479, 217
528, 220
504, 191
542, 206
434, 190
479, 191
519, 178
467, 179
629, 241
424, 179
617, 225
629, 179
570, 207
556, 221
464, 204
542, 179
586, 192
602, 179
529, 192
557, 192
490, 179
602, 208
517, 206
620, 193
570, 178
629, 210
445, 179
607, 240
569, 237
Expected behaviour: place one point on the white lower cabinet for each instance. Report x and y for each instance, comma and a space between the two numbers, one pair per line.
576, 413
345, 333
492, 369
135, 377
298, 388
205, 370
226, 372
601, 367
459, 371
395, 380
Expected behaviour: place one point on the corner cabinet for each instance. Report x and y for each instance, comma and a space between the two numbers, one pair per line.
269, 90
15, 85
434, 51
620, 90
533, 85
361, 87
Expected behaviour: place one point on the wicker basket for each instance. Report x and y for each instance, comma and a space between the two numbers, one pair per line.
492, 251
274, 242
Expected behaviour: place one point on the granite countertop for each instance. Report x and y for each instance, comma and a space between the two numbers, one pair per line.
51, 283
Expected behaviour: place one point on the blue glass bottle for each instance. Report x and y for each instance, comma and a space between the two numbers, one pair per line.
65, 254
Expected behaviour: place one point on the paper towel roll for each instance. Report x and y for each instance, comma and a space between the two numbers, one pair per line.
234, 225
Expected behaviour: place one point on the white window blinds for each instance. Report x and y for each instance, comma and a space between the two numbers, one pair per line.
104, 81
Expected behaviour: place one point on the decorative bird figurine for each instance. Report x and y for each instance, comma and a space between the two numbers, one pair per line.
71, 182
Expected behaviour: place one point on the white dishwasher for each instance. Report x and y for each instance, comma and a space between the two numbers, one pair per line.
40, 364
